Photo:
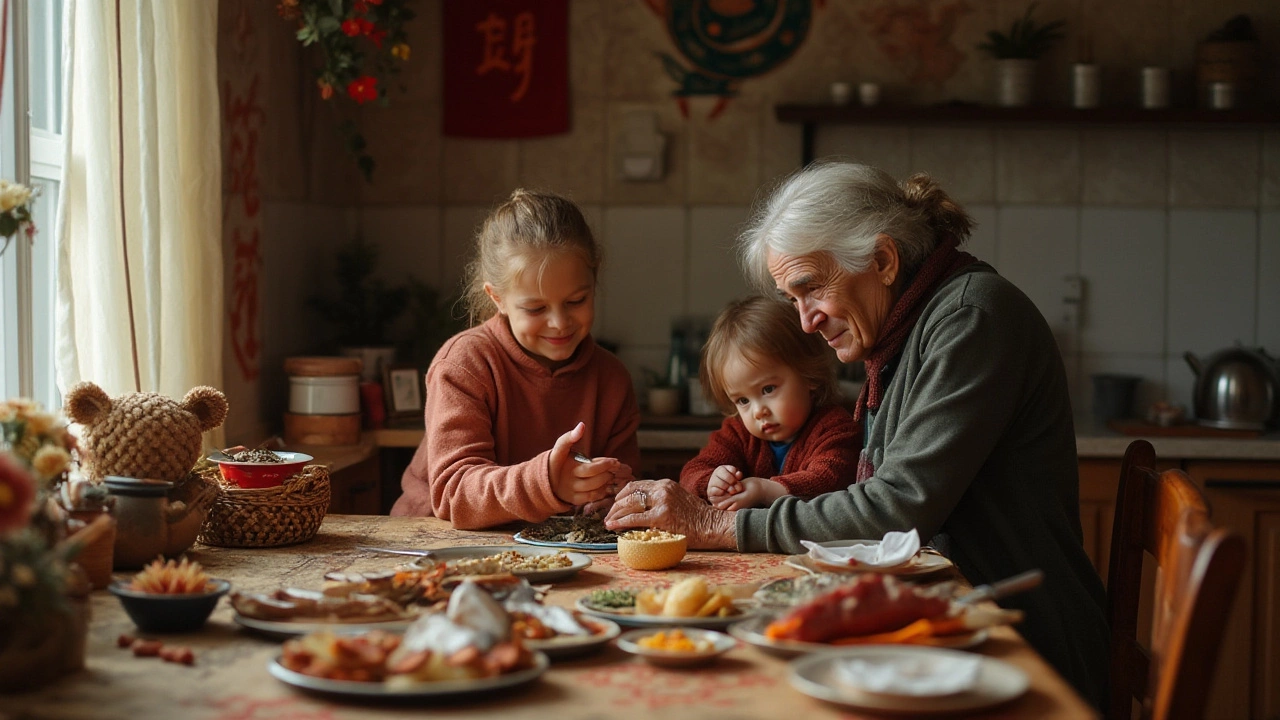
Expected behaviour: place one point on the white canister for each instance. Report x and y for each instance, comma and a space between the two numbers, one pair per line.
1085, 85
869, 93
841, 92
327, 395
1155, 87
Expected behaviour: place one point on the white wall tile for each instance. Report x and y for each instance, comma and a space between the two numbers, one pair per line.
888, 148
644, 276
962, 159
1125, 167
408, 240
1035, 248
982, 241
1212, 279
714, 275
1122, 261
1214, 169
1271, 169
1038, 166
1269, 283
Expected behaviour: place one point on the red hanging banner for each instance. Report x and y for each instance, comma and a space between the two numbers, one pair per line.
506, 68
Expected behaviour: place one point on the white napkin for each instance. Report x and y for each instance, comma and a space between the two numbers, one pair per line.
921, 676
895, 549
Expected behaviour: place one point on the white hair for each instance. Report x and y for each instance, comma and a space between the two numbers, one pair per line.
841, 208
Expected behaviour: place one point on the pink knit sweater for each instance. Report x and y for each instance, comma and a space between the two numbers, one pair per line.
492, 415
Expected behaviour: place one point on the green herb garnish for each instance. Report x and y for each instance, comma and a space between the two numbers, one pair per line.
612, 598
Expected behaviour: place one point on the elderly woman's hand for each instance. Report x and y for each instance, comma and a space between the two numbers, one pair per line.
665, 505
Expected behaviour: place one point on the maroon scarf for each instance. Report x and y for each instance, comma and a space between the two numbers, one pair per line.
941, 264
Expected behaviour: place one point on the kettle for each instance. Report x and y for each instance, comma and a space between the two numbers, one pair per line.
1236, 388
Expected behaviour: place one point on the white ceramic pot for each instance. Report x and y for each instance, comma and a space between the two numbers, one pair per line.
1014, 82
330, 395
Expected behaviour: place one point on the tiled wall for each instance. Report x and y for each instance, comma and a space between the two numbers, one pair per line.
1175, 232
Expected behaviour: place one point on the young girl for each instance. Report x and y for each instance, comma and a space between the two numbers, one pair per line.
788, 437
508, 399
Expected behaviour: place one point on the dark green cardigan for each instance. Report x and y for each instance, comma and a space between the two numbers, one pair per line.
974, 440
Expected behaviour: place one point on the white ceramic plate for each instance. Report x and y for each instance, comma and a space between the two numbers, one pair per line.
720, 644
352, 688
628, 618
817, 676
586, 547
578, 560
925, 562
563, 646
291, 628
751, 631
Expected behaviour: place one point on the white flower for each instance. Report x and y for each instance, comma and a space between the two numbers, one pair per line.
13, 195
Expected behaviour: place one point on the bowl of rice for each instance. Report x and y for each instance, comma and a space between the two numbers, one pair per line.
258, 468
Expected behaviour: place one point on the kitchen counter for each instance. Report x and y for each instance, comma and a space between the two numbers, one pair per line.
1091, 441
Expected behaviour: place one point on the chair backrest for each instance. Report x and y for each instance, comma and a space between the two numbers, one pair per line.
1163, 513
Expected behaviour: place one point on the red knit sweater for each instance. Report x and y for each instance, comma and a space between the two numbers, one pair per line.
492, 415
823, 458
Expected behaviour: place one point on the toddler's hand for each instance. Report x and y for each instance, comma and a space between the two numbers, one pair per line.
756, 492
725, 480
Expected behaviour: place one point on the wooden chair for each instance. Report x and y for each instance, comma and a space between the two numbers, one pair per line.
1164, 513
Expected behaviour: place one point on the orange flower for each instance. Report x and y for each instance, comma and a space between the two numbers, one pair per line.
363, 89
326, 90
400, 50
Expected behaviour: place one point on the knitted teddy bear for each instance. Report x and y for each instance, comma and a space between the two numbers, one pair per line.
144, 434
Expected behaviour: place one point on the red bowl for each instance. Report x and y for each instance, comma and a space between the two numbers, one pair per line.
261, 475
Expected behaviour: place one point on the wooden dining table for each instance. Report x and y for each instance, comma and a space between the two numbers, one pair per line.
230, 680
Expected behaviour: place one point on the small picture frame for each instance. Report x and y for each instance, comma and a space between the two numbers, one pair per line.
402, 385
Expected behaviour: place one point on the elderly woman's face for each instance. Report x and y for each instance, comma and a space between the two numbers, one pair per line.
847, 309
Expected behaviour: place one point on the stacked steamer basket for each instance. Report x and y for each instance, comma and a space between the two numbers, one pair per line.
324, 401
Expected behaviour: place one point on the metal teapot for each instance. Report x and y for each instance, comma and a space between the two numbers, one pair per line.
1236, 388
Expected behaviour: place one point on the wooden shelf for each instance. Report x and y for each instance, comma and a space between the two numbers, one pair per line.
810, 116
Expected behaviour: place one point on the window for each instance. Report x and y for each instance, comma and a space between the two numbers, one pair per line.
31, 152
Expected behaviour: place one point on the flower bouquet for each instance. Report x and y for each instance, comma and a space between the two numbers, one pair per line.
43, 605
361, 43
15, 211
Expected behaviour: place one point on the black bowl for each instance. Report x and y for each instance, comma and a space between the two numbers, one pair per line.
160, 613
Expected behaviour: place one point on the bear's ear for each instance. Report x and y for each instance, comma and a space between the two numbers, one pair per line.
208, 404
86, 403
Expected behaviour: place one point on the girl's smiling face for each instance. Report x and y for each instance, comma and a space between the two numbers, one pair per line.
550, 306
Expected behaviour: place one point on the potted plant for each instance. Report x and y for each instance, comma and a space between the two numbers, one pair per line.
431, 321
663, 397
362, 309
1016, 53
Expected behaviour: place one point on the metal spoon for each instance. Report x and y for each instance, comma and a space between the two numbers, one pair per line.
1016, 584
396, 551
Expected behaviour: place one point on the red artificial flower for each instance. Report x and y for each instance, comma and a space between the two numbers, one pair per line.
366, 26
362, 7
363, 89
377, 36
17, 490
351, 28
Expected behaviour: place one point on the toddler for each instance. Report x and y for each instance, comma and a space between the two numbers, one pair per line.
785, 434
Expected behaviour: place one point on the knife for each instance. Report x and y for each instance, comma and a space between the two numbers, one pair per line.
1016, 584
396, 551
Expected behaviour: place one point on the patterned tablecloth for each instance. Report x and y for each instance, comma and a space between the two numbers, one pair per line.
229, 680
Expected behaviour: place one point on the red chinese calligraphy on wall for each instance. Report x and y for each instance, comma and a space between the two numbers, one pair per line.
241, 221
506, 68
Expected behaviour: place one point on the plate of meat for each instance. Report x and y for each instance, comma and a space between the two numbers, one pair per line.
877, 610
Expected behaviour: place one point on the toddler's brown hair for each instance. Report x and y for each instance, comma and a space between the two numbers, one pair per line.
763, 328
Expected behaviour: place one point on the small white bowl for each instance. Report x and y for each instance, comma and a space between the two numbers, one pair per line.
720, 644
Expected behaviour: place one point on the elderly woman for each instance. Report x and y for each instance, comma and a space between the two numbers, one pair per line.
968, 433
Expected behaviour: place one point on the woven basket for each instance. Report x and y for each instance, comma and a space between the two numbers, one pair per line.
267, 517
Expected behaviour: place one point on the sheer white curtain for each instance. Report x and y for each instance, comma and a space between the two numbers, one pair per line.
172, 198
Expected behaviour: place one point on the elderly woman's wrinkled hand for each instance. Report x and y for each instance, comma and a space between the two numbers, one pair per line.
665, 505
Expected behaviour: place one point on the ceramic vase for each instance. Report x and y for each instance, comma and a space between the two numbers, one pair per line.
1015, 79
